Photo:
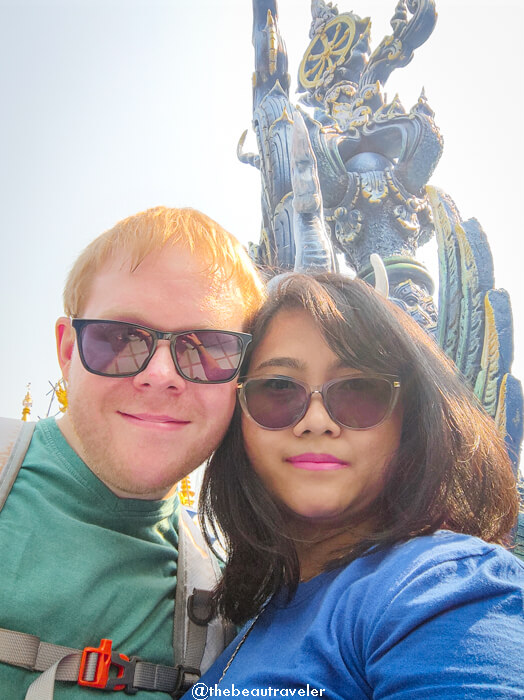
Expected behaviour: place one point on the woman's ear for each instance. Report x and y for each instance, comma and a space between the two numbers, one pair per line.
65, 343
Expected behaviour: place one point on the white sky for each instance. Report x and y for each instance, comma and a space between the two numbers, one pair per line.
114, 106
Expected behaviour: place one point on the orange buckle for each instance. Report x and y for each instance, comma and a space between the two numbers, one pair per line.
106, 659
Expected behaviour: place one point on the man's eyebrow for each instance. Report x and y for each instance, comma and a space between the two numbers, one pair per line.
290, 362
123, 316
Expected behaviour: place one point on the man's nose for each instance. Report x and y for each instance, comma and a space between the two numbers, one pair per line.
161, 372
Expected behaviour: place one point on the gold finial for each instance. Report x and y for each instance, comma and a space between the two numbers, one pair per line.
61, 395
27, 403
187, 497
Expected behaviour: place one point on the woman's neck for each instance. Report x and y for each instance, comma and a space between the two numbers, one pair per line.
316, 546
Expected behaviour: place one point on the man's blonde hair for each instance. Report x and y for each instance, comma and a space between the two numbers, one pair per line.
224, 259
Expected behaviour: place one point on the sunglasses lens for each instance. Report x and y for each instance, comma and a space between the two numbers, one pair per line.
359, 402
208, 356
115, 349
275, 402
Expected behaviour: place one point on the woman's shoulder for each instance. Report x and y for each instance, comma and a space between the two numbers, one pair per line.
447, 604
450, 560
462, 578
445, 544
439, 546
442, 548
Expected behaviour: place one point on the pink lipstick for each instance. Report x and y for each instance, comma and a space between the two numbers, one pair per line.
316, 462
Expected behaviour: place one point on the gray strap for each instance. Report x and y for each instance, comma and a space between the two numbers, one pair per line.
195, 642
166, 679
59, 663
197, 575
28, 651
188, 643
15, 436
146, 676
179, 628
43, 687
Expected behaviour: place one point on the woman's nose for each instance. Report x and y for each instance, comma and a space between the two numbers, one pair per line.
316, 419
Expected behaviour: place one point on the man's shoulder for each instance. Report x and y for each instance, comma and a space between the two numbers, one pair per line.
11, 431
16, 435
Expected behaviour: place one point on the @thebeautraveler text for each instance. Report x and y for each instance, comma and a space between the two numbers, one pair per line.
201, 691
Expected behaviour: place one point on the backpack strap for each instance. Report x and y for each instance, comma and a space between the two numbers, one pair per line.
15, 436
198, 638
100, 667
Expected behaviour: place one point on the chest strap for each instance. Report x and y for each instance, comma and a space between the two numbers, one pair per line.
99, 667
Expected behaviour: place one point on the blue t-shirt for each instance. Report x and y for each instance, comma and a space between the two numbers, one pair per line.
435, 617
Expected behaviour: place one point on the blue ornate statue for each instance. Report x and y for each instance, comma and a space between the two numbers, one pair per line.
345, 176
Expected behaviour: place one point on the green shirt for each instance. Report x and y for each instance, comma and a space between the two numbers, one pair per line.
79, 564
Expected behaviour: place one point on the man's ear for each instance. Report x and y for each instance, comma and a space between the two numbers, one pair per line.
65, 342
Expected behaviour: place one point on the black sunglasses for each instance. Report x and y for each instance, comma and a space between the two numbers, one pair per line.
120, 349
276, 402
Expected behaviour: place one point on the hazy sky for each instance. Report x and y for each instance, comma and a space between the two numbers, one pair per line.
114, 106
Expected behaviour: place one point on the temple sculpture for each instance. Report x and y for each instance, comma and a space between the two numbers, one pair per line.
345, 176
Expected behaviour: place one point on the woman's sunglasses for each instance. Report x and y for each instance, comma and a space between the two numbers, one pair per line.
276, 402
120, 349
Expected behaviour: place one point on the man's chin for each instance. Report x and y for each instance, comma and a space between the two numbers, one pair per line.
136, 469
135, 463
133, 484
143, 492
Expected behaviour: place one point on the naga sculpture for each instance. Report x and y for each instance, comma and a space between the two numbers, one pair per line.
345, 177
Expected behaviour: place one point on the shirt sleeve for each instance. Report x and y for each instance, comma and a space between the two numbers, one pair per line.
445, 627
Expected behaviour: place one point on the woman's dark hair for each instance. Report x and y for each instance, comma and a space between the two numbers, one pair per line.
451, 469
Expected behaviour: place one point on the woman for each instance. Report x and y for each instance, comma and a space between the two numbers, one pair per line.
352, 492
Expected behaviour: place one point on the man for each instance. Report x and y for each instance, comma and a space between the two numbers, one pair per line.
89, 531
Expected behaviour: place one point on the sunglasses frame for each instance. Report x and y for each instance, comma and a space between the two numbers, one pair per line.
80, 323
321, 389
